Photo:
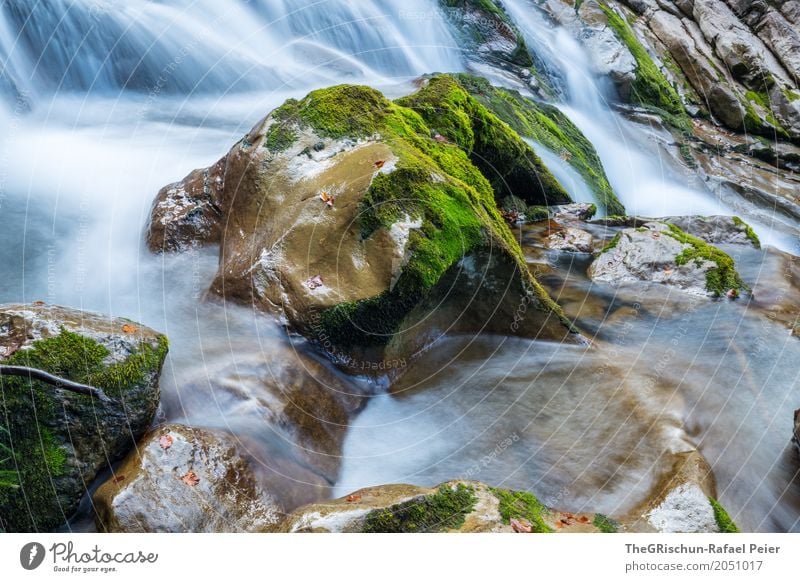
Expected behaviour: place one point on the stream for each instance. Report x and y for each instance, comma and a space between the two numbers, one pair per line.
106, 101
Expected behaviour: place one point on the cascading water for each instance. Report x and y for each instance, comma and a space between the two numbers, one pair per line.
190, 46
126, 96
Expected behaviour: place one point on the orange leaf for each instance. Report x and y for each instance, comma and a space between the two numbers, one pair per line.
521, 525
39, 303
583, 519
129, 328
379, 164
314, 282
165, 441
354, 498
191, 479
119, 478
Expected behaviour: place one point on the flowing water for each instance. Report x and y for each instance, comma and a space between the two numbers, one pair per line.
106, 101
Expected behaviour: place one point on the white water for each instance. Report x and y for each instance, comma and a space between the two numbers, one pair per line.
128, 96
644, 180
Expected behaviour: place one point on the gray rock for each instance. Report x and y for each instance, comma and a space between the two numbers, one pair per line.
182, 479
572, 240
651, 253
61, 439
796, 437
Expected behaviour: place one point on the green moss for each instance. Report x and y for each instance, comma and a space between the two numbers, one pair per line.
612, 244
520, 504
280, 137
651, 87
9, 476
749, 232
537, 213
790, 95
753, 122
446, 509
605, 524
35, 434
724, 521
433, 180
510, 164
719, 279
547, 125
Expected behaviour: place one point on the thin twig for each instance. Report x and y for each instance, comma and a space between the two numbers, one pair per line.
34, 374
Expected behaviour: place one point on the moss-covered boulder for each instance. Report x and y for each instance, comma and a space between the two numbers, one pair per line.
663, 253
371, 231
181, 479
455, 507
548, 126
53, 442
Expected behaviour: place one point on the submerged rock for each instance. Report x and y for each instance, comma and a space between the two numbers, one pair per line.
455, 506
57, 441
183, 479
362, 221
663, 253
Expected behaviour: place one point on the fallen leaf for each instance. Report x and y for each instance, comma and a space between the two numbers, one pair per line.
119, 478
129, 328
379, 164
314, 282
354, 498
733, 294
39, 303
565, 521
559, 525
165, 441
583, 519
191, 479
521, 525
327, 198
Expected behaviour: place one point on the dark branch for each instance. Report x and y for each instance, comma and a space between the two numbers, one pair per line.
34, 374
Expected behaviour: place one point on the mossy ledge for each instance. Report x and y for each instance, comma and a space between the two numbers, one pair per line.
34, 437
521, 504
445, 183
720, 279
605, 524
547, 125
446, 509
749, 232
650, 88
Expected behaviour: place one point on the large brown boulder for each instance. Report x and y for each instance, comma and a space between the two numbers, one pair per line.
367, 225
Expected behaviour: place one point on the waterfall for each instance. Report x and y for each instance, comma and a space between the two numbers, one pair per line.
202, 46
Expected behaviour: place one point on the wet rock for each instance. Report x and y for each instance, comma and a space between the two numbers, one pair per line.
455, 506
573, 212
663, 253
486, 30
796, 437
348, 244
188, 212
62, 440
306, 405
685, 501
711, 229
183, 479
572, 240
